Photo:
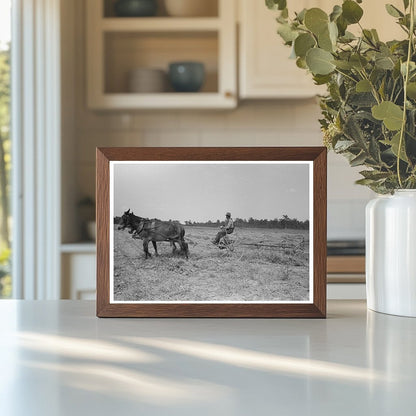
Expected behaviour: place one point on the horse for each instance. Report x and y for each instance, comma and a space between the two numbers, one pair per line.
154, 230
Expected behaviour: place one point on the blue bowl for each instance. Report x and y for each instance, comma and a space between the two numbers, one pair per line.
135, 8
186, 76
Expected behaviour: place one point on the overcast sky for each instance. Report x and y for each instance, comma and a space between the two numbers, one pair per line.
202, 192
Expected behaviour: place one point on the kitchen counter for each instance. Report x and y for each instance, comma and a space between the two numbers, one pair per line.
57, 358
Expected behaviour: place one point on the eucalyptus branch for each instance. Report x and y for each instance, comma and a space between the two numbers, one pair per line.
373, 88
404, 28
392, 91
398, 95
406, 80
381, 106
346, 75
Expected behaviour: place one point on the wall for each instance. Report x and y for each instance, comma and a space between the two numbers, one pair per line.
253, 123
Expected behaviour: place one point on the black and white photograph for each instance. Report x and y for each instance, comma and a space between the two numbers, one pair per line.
211, 232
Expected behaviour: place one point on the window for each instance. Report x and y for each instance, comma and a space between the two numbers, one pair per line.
5, 147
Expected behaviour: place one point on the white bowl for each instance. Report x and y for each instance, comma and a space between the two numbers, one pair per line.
191, 8
147, 80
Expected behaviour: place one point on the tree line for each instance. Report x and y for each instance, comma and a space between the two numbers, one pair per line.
281, 223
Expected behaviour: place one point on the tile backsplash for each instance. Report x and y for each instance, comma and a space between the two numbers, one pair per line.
257, 123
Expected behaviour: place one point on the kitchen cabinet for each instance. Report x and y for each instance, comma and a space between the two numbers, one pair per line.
265, 70
118, 45
78, 263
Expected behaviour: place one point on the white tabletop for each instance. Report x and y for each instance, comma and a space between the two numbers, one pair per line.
57, 358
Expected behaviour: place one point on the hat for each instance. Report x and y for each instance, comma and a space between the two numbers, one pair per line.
228, 214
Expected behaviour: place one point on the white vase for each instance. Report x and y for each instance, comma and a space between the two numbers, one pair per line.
391, 253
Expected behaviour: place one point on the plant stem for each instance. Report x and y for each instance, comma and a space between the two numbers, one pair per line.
373, 88
346, 75
405, 81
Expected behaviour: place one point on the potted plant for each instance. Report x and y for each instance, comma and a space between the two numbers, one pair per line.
368, 116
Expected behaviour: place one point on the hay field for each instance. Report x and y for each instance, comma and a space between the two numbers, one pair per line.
249, 273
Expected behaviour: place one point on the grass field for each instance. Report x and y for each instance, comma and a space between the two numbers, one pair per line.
254, 271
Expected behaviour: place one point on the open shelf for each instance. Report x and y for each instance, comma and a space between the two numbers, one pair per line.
167, 100
210, 7
116, 46
160, 24
87, 247
126, 51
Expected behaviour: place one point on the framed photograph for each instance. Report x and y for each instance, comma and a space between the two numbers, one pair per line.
211, 232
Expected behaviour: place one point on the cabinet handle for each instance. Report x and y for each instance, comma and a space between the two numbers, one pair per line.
229, 94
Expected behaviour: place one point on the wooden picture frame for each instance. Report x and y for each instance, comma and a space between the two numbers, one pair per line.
109, 161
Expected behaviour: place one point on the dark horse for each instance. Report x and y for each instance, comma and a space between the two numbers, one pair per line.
154, 230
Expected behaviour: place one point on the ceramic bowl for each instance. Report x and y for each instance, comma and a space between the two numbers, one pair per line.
135, 8
147, 80
186, 76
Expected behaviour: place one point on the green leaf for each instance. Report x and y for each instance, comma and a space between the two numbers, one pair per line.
375, 35
345, 65
336, 12
374, 174
365, 182
384, 62
377, 75
405, 21
358, 160
316, 20
342, 25
321, 79
393, 11
301, 63
319, 61
287, 33
276, 4
343, 145
301, 15
411, 90
394, 145
325, 42
351, 11
333, 32
358, 61
303, 43
406, 4
388, 112
374, 150
354, 132
382, 89
412, 67
282, 20
347, 37
368, 36
363, 86
362, 99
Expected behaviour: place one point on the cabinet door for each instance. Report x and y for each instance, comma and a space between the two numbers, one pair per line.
265, 68
78, 276
376, 17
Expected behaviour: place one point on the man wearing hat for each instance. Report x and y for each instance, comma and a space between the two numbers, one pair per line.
227, 228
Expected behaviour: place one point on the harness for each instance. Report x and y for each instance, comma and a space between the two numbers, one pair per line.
153, 228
